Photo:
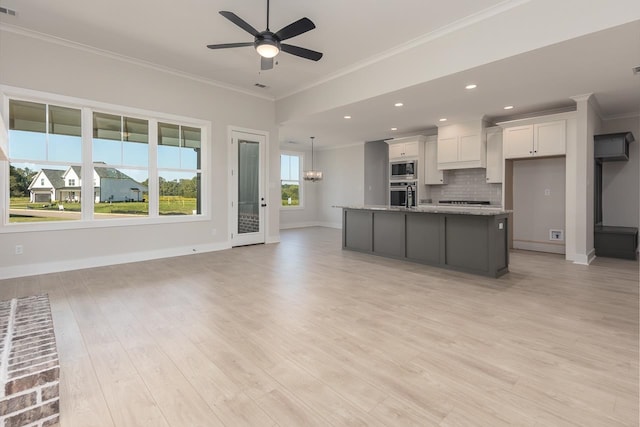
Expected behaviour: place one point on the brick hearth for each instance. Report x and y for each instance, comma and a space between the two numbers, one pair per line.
29, 368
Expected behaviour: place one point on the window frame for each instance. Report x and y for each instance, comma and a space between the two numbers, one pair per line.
88, 107
301, 190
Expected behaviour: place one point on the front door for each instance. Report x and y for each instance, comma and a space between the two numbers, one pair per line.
247, 193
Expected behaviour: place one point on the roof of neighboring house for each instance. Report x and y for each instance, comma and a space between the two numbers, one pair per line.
55, 176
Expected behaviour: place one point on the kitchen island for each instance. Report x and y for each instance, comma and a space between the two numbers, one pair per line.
469, 239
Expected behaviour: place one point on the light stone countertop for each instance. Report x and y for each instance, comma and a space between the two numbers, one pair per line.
446, 209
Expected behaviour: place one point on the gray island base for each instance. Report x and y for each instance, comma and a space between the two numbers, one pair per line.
472, 240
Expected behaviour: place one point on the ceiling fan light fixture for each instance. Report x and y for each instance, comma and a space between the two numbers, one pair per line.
267, 48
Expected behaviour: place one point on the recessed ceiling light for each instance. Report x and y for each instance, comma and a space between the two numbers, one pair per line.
443, 119
471, 86
347, 117
398, 104
508, 107
394, 128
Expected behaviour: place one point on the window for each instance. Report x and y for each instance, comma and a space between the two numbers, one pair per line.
121, 166
44, 144
141, 167
179, 169
290, 169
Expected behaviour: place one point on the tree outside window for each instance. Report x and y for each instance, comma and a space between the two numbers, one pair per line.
290, 173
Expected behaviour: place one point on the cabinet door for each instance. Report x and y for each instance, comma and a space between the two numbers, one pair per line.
518, 142
411, 149
550, 138
432, 176
396, 151
469, 148
495, 160
447, 150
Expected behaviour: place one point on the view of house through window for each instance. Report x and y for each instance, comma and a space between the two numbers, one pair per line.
121, 161
46, 175
290, 168
45, 153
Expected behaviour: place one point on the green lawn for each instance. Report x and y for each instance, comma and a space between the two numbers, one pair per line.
169, 205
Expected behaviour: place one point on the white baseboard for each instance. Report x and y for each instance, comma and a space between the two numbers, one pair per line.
585, 259
528, 245
298, 225
79, 264
310, 224
337, 225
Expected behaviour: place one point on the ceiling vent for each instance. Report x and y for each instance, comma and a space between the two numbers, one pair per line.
7, 11
636, 70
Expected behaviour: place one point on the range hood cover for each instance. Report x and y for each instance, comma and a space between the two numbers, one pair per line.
612, 146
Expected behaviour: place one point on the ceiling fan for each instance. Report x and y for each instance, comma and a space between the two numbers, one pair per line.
269, 44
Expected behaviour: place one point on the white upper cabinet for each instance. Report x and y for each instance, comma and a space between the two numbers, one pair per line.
401, 148
495, 161
462, 146
538, 139
432, 175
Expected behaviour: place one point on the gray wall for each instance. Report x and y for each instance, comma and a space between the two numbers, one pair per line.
621, 180
466, 184
343, 182
534, 211
376, 173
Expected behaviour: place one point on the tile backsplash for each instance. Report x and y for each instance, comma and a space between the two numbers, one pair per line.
466, 184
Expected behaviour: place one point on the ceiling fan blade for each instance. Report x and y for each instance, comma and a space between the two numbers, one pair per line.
228, 45
266, 63
239, 22
301, 52
295, 29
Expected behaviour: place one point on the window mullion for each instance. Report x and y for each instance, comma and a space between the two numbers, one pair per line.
87, 187
154, 192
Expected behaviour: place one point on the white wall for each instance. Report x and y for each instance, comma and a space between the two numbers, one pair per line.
343, 182
307, 216
455, 49
534, 211
40, 65
621, 180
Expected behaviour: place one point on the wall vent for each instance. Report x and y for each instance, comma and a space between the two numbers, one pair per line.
636, 70
260, 85
7, 11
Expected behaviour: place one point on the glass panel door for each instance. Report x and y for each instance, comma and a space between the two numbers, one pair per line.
248, 187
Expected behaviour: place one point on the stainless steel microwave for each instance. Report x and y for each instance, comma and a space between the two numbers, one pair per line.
403, 170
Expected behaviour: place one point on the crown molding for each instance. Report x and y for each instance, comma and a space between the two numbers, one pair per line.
135, 61
418, 41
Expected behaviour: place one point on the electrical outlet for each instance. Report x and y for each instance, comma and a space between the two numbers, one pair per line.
556, 235
547, 192
19, 249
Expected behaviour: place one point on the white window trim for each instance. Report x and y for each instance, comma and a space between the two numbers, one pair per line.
88, 107
300, 175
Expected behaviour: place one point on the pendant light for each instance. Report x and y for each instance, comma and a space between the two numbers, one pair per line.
312, 175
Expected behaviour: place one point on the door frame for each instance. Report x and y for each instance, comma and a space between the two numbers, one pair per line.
232, 182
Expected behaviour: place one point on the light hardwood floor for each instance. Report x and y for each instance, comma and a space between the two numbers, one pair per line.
302, 333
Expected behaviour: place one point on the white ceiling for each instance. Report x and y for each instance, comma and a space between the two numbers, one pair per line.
350, 33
